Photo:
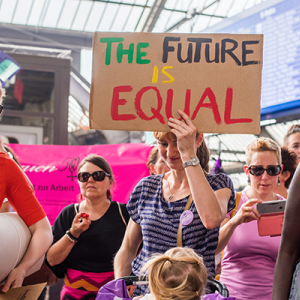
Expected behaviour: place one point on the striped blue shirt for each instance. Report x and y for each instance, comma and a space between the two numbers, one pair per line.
159, 220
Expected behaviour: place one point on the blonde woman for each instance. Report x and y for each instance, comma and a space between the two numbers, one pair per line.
249, 260
178, 274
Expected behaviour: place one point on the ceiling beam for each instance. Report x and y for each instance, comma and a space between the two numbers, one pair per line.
154, 14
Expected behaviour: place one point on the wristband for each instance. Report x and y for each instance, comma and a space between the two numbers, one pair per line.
71, 237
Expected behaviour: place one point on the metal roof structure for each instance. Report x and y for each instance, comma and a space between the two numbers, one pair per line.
65, 28
121, 15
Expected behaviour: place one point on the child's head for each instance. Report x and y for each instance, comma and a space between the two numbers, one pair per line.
178, 274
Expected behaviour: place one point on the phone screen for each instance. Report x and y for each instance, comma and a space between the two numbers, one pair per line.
270, 207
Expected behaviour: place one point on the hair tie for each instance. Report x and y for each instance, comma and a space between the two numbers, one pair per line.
197, 293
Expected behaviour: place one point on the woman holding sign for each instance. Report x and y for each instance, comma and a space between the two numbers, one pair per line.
249, 259
15, 187
183, 207
86, 236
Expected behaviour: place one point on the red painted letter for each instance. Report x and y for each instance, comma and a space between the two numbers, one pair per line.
116, 101
155, 112
212, 105
228, 106
170, 100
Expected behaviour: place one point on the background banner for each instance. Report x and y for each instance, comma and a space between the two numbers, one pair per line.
53, 171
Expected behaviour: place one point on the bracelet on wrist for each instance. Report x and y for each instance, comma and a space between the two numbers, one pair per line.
71, 237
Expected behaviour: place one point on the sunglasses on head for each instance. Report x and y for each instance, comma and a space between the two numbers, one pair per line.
97, 176
259, 170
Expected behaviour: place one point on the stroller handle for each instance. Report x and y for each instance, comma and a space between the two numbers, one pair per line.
212, 284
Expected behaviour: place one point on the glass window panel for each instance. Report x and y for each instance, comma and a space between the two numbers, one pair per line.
120, 19
108, 17
82, 14
30, 91
133, 18
86, 64
45, 123
53, 13
129, 1
161, 25
211, 10
174, 18
141, 2
7, 10
201, 23
237, 7
35, 12
185, 27
22, 12
96, 14
223, 8
249, 4
183, 5
171, 4
150, 2
214, 21
143, 19
68, 13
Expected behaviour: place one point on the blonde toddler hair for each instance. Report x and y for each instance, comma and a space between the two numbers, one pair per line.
262, 144
179, 274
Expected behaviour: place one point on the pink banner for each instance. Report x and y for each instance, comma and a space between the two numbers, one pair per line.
53, 171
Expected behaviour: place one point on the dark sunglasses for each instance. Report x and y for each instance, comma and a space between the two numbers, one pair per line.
97, 176
259, 170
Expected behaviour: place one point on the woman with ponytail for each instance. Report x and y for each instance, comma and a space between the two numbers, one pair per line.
183, 207
86, 236
179, 274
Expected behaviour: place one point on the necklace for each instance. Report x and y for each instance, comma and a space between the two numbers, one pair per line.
171, 196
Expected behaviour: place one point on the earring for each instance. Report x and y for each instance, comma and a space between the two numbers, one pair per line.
81, 197
108, 194
248, 180
278, 181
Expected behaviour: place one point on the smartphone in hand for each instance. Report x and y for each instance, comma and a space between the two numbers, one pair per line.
271, 217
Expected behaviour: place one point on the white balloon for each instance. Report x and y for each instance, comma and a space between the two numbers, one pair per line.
14, 240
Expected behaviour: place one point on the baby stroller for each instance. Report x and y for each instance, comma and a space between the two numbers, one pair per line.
117, 289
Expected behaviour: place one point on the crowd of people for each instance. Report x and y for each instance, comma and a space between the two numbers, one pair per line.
176, 221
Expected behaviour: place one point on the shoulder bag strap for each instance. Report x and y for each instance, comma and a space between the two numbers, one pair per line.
179, 232
237, 202
76, 205
121, 214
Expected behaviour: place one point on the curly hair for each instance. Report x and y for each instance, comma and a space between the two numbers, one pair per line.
262, 144
289, 161
179, 274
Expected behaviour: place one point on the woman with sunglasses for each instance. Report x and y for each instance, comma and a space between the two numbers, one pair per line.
86, 236
15, 187
249, 260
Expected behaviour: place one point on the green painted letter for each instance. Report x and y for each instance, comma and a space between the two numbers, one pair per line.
109, 41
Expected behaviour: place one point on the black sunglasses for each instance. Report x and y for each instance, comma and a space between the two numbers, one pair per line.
97, 176
259, 170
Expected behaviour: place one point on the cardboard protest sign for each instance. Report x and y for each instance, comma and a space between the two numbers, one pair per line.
139, 80
29, 292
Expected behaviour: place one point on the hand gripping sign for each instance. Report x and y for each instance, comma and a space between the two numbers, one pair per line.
142, 79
